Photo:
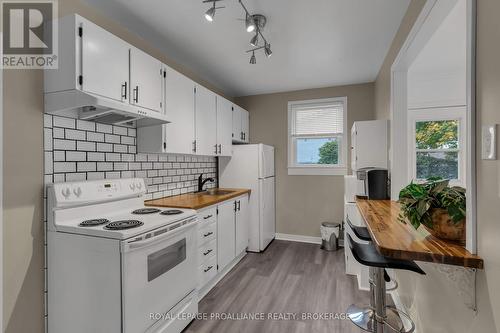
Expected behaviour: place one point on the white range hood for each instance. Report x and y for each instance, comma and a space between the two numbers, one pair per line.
86, 106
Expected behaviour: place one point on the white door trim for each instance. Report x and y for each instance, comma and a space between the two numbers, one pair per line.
1, 186
426, 24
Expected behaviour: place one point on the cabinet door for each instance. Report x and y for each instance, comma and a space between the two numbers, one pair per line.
242, 225
245, 125
105, 63
146, 78
224, 126
225, 234
179, 107
206, 122
237, 134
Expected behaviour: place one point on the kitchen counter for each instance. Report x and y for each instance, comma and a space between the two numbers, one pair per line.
395, 239
196, 200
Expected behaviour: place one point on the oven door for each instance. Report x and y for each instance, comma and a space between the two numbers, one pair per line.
157, 273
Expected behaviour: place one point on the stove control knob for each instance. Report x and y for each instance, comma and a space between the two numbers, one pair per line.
132, 186
77, 191
66, 192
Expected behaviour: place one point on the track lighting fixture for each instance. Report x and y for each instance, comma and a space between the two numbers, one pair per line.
253, 23
253, 60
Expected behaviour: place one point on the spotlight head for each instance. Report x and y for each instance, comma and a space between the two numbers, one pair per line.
210, 13
250, 23
253, 60
255, 40
267, 50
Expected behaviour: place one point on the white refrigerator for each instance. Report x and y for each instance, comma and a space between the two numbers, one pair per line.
252, 167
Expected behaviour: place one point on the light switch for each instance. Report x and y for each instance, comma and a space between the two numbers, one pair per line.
489, 142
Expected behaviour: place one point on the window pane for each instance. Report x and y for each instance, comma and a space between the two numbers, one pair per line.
317, 151
437, 164
437, 134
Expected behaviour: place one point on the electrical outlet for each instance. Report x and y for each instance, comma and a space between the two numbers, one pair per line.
489, 142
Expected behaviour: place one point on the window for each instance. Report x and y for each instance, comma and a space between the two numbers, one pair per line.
316, 140
438, 146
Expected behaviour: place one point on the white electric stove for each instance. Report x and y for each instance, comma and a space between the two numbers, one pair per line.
115, 265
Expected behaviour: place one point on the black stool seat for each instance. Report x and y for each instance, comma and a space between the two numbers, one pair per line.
360, 232
367, 254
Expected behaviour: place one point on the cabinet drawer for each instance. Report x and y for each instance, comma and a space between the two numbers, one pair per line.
207, 216
207, 271
207, 251
206, 233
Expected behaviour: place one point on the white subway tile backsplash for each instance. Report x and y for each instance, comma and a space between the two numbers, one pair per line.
104, 128
111, 138
120, 130
78, 150
85, 146
61, 144
63, 122
64, 167
85, 125
75, 156
95, 136
86, 166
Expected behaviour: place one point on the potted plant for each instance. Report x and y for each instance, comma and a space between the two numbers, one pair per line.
435, 205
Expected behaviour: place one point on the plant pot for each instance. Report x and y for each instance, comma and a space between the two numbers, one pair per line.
444, 227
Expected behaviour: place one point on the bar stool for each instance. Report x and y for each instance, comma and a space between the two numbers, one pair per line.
363, 234
379, 317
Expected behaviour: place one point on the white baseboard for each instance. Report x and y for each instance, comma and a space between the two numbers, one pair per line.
299, 238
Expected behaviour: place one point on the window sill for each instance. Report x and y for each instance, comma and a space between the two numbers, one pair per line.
317, 171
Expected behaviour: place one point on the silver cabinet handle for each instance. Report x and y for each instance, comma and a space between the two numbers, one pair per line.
208, 268
208, 252
220, 148
215, 149
124, 90
208, 234
136, 94
207, 217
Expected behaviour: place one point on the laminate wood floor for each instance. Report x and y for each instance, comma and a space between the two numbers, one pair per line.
289, 277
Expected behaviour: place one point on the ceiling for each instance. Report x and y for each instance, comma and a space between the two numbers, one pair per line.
315, 43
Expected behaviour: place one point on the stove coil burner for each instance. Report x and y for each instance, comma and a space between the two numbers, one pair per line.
171, 212
121, 225
143, 211
93, 222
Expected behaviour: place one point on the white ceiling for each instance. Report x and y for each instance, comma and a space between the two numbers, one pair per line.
315, 43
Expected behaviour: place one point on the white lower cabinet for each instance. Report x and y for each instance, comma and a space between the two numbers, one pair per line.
222, 238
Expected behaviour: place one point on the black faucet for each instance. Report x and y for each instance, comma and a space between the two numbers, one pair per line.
202, 182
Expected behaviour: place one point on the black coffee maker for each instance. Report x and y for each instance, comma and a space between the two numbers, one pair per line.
376, 183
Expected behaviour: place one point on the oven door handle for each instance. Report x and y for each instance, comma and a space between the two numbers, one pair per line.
129, 246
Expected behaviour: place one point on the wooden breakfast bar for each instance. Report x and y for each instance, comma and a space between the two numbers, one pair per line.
395, 239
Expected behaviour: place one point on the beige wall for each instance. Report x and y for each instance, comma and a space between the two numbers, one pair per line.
303, 202
23, 249
433, 301
383, 81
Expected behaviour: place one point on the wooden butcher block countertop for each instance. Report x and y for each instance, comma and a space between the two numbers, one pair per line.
196, 200
397, 240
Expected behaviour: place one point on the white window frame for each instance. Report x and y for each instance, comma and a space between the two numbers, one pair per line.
439, 114
317, 169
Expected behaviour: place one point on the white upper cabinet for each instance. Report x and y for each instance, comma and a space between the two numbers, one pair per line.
206, 122
245, 125
224, 126
237, 134
240, 125
146, 78
179, 107
104, 63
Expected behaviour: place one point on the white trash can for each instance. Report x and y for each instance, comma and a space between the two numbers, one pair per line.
330, 234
